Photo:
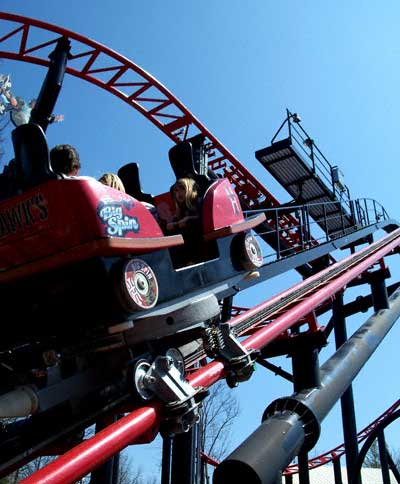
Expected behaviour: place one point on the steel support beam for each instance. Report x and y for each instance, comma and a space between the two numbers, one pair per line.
86, 456
337, 471
306, 375
383, 457
347, 399
285, 430
166, 460
184, 457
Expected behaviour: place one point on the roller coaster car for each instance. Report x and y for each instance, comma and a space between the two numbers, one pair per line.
89, 283
75, 254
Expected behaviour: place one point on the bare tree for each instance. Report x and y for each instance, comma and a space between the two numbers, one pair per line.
128, 473
219, 412
372, 459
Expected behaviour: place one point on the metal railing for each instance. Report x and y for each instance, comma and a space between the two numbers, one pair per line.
314, 156
308, 232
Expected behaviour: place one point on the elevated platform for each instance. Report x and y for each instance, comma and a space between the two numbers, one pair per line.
327, 205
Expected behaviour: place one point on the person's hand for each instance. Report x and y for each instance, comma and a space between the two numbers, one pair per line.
182, 222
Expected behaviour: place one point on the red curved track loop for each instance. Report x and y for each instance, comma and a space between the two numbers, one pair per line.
31, 40
91, 453
338, 451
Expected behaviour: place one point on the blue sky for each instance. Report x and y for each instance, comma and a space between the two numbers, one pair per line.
237, 66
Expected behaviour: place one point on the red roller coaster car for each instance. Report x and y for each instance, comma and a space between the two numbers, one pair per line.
77, 255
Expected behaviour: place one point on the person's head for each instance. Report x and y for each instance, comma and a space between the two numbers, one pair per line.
113, 181
65, 159
184, 194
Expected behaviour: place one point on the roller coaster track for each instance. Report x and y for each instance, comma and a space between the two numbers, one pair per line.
340, 450
21, 39
334, 453
29, 40
83, 458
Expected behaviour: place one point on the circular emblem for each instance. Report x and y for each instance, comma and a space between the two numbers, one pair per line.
140, 284
253, 250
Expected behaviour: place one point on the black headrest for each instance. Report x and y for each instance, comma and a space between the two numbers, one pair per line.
129, 175
32, 157
189, 159
181, 159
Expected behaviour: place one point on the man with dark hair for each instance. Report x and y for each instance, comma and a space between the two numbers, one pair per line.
65, 159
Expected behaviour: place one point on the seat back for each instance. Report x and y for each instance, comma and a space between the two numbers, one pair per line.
129, 175
32, 159
189, 159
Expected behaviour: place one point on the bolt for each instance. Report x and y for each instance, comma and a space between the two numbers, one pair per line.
149, 380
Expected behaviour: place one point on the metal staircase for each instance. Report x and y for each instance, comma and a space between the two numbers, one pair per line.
300, 167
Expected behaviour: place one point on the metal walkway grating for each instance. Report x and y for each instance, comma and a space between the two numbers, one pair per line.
308, 185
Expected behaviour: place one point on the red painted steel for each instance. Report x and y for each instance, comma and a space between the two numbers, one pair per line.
140, 90
91, 453
221, 206
316, 298
61, 214
246, 314
121, 77
209, 460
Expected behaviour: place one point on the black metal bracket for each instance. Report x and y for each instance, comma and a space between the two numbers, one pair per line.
220, 342
165, 378
310, 422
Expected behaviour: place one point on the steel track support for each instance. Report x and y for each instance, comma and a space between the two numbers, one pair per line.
378, 289
383, 457
185, 457
304, 474
166, 460
305, 365
347, 399
292, 423
393, 467
337, 472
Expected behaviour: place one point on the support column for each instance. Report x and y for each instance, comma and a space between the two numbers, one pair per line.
305, 366
166, 460
392, 467
304, 474
337, 471
383, 458
347, 399
378, 289
185, 457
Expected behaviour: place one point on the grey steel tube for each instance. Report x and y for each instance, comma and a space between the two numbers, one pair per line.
288, 426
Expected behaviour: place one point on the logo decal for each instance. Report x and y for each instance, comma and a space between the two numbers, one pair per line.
113, 214
23, 215
141, 284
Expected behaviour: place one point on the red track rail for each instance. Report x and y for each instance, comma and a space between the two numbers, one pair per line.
99, 65
93, 452
30, 40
